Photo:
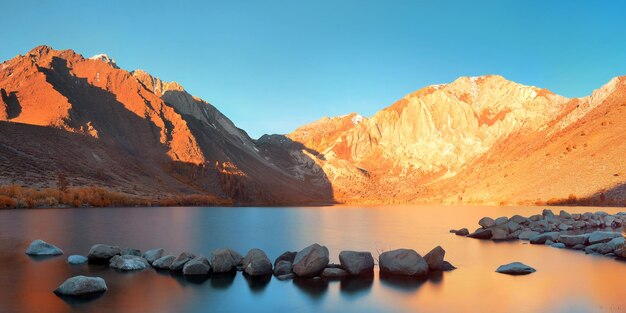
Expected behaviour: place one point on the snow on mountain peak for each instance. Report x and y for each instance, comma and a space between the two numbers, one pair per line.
104, 58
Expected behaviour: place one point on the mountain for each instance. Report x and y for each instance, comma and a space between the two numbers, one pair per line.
129, 131
476, 140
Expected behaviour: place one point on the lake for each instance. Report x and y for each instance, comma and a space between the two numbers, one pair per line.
565, 281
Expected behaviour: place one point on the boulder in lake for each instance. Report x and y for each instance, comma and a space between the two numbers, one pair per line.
225, 260
547, 213
402, 262
461, 232
283, 267
131, 251
559, 245
499, 233
527, 234
101, 253
197, 266
564, 215
447, 266
515, 268
164, 262
286, 256
600, 248
434, 258
513, 226
128, 262
602, 236
481, 234
153, 254
579, 247
542, 238
572, 240
311, 261
333, 273
620, 252
256, 263
356, 262
81, 286
501, 220
486, 222
40, 247
76, 259
180, 261
616, 242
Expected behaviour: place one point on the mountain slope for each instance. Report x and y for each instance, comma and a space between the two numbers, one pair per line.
183, 141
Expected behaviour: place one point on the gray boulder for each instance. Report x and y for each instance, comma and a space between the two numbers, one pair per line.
519, 219
128, 263
283, 267
153, 254
513, 226
565, 227
356, 262
286, 256
542, 238
76, 259
527, 234
101, 253
81, 286
486, 222
499, 233
311, 261
180, 261
434, 258
447, 266
579, 247
601, 248
572, 240
256, 263
602, 236
333, 273
564, 215
558, 245
402, 262
515, 268
481, 234
547, 213
131, 251
225, 260
501, 220
620, 252
461, 232
40, 247
616, 242
164, 262
197, 266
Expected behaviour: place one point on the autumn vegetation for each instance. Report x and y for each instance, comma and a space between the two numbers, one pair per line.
14, 196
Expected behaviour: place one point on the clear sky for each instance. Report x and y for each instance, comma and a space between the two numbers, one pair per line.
274, 65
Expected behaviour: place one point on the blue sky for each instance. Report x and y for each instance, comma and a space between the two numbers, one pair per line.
272, 66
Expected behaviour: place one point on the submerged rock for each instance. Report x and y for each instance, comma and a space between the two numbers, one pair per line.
600, 248
434, 258
481, 234
447, 266
558, 245
515, 268
153, 254
76, 259
225, 260
356, 262
101, 253
128, 262
180, 261
311, 261
81, 286
40, 247
164, 262
461, 232
333, 273
402, 262
197, 266
256, 263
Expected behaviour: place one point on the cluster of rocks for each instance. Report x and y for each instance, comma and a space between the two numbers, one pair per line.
311, 262
565, 230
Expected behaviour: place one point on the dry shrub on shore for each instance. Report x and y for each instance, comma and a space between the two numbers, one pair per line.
14, 196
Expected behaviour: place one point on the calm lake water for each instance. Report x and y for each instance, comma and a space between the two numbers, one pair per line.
565, 281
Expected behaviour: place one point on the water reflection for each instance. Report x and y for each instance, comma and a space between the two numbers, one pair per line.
257, 283
565, 280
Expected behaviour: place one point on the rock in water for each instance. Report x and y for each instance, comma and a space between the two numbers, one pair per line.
286, 256
128, 263
283, 267
486, 222
356, 262
499, 233
461, 232
311, 261
602, 236
131, 251
153, 254
164, 262
101, 253
76, 259
515, 268
573, 240
333, 273
40, 247
402, 262
197, 266
481, 234
225, 260
434, 258
256, 263
527, 234
447, 266
542, 238
81, 286
180, 261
